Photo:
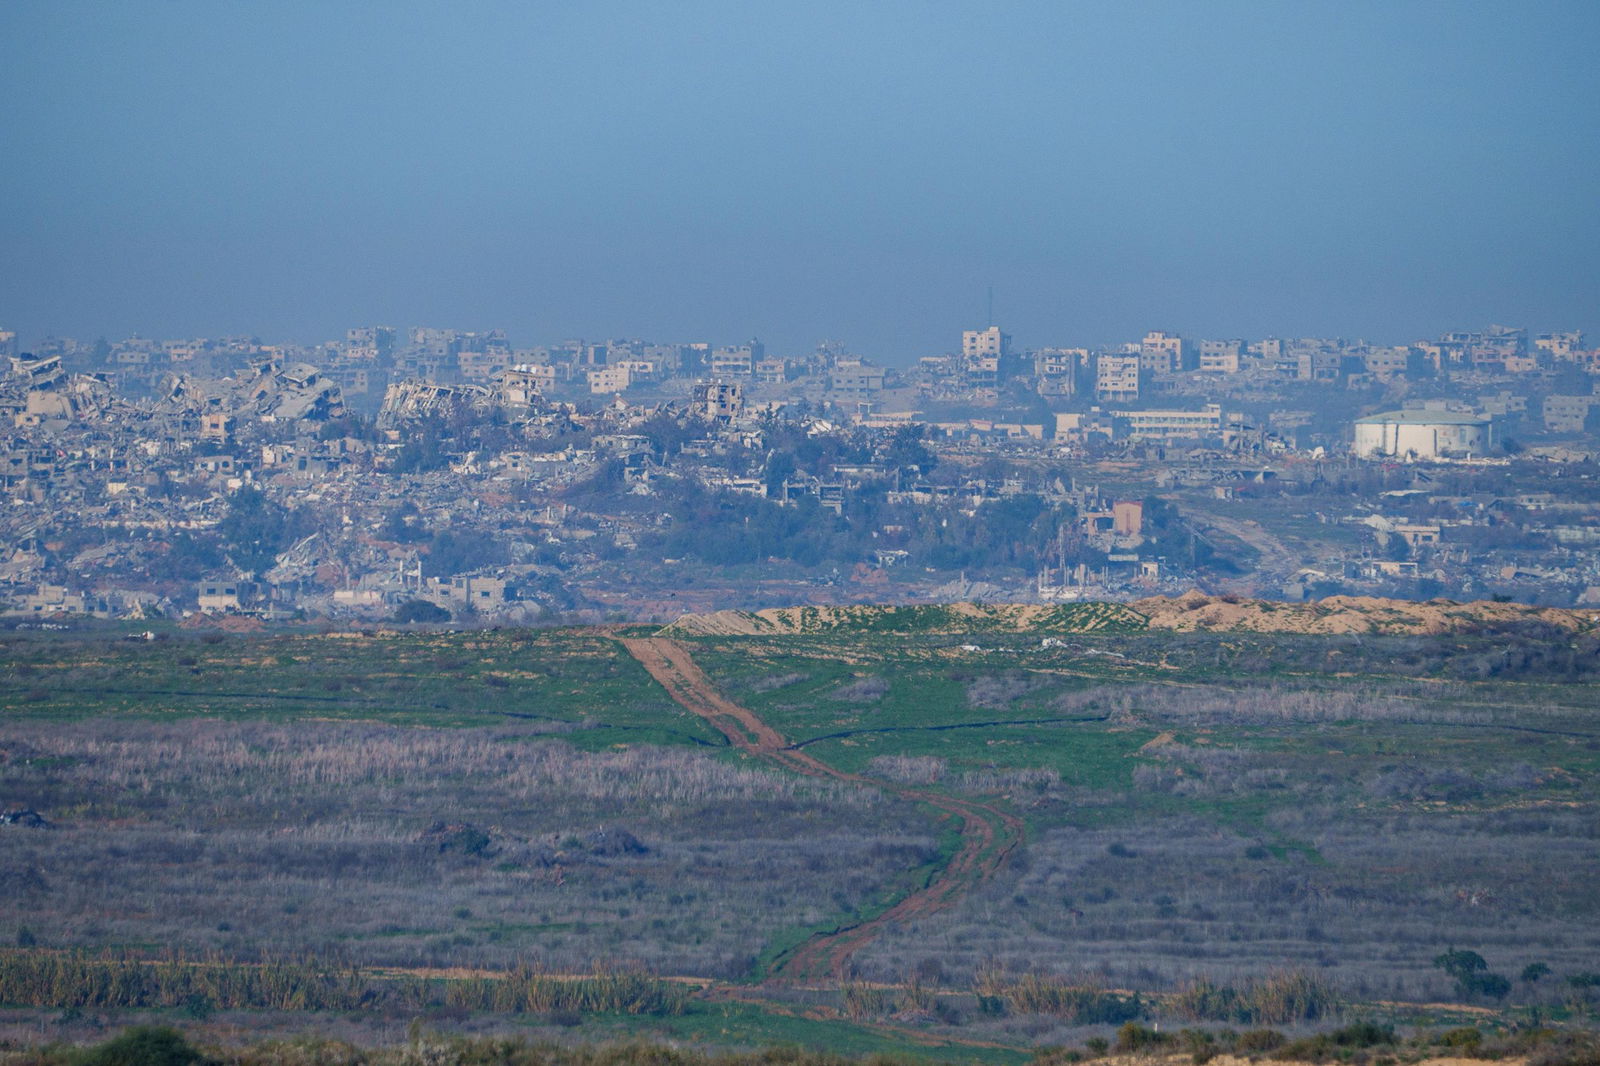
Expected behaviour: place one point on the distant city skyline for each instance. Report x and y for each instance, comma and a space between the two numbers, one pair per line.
953, 347
721, 171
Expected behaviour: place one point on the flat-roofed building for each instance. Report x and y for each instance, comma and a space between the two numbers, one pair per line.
1173, 425
1117, 376
1165, 353
985, 342
607, 379
1568, 414
1422, 435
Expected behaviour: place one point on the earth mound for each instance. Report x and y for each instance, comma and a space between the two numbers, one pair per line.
1196, 611
1193, 611
920, 618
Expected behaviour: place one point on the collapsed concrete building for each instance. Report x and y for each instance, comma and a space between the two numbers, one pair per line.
410, 401
270, 392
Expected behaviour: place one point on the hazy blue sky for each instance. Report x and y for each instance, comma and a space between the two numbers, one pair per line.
864, 171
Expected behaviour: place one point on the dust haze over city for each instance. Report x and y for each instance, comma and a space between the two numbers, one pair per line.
608, 533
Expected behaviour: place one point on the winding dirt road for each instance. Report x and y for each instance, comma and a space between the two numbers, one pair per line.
988, 834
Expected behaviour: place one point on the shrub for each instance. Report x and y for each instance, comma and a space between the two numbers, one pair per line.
1466, 1038
1132, 1037
1362, 1034
907, 769
1053, 1055
1077, 1004
144, 1045
1278, 999
1356, 1037
862, 1001
1259, 1040
998, 693
1566, 1049
863, 690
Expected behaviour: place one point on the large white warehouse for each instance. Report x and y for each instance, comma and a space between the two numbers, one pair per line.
1422, 434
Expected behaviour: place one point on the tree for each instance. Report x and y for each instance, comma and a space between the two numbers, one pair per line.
667, 434
1490, 986
404, 524
1471, 974
255, 530
1397, 549
423, 450
1460, 963
421, 611
780, 466
906, 450
452, 551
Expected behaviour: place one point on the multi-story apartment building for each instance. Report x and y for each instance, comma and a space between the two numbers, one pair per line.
484, 365
1174, 425
1057, 370
719, 401
1568, 414
379, 339
615, 378
853, 379
1117, 376
1317, 364
1221, 357
1386, 363
983, 355
772, 371
985, 342
739, 361
1165, 353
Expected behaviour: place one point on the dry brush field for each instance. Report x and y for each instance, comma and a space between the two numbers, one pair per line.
409, 846
1200, 815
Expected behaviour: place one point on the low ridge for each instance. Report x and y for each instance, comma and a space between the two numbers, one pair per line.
1193, 611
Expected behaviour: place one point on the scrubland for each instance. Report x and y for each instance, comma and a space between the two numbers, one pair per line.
1219, 829
404, 846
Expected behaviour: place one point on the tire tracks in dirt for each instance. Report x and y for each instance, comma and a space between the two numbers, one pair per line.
988, 834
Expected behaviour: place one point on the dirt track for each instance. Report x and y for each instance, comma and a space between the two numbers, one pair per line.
988, 834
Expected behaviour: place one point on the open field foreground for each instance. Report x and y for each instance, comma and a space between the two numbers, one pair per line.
1133, 1046
167, 1045
962, 833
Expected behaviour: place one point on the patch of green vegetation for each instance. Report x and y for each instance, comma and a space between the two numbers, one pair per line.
1084, 756
577, 681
